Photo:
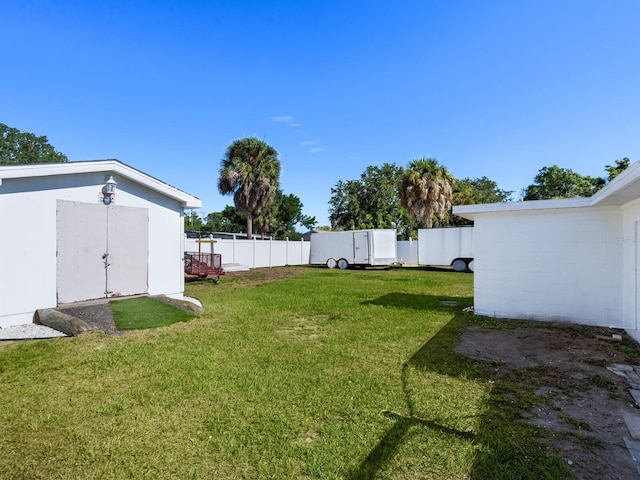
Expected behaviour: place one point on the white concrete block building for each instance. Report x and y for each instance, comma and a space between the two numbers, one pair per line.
573, 260
65, 238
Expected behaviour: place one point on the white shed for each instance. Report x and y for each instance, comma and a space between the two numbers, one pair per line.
572, 260
64, 238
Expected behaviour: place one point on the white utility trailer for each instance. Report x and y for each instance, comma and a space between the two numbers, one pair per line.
375, 247
446, 246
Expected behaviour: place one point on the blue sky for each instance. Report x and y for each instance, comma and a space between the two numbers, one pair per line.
489, 88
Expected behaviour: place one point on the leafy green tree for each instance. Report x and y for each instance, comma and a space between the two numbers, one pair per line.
193, 222
614, 170
344, 205
555, 182
228, 220
213, 222
472, 191
278, 219
379, 198
372, 201
251, 171
426, 190
290, 214
18, 147
282, 215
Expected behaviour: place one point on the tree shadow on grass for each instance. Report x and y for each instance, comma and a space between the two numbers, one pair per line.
509, 449
386, 448
414, 301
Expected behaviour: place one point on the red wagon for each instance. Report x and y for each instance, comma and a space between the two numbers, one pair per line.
203, 264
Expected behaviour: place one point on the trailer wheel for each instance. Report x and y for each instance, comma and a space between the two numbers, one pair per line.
470, 266
459, 265
202, 275
332, 263
343, 264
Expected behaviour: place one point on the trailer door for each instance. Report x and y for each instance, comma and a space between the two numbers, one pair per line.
361, 248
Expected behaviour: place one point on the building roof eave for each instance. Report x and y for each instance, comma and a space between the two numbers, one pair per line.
107, 166
619, 191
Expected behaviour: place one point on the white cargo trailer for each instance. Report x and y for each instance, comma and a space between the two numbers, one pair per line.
446, 246
376, 247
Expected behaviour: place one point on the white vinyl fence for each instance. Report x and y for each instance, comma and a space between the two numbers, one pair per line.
277, 253
408, 252
255, 253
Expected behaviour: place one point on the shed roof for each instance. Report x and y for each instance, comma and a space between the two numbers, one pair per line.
106, 166
622, 189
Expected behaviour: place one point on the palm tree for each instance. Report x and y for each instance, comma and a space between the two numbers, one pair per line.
251, 171
426, 190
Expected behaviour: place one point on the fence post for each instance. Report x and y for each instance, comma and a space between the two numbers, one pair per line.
254, 252
234, 249
270, 250
301, 251
286, 251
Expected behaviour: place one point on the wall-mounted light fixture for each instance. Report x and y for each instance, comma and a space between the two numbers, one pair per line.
109, 191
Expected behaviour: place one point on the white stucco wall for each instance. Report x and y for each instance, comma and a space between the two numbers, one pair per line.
166, 236
631, 269
28, 238
554, 264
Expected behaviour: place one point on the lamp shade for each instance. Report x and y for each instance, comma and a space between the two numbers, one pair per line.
110, 185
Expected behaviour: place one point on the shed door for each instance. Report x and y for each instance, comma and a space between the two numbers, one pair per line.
102, 251
361, 247
128, 249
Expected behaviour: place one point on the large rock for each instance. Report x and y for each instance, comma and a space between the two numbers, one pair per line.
62, 322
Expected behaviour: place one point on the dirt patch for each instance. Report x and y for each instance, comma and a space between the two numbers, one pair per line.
256, 276
581, 402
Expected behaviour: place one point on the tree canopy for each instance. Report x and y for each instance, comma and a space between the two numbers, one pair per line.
192, 222
614, 170
426, 190
278, 219
228, 220
472, 191
372, 201
556, 182
251, 171
18, 147
281, 216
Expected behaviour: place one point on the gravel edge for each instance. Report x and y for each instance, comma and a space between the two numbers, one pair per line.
28, 331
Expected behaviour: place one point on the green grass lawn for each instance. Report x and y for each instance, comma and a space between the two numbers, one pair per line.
146, 312
328, 375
